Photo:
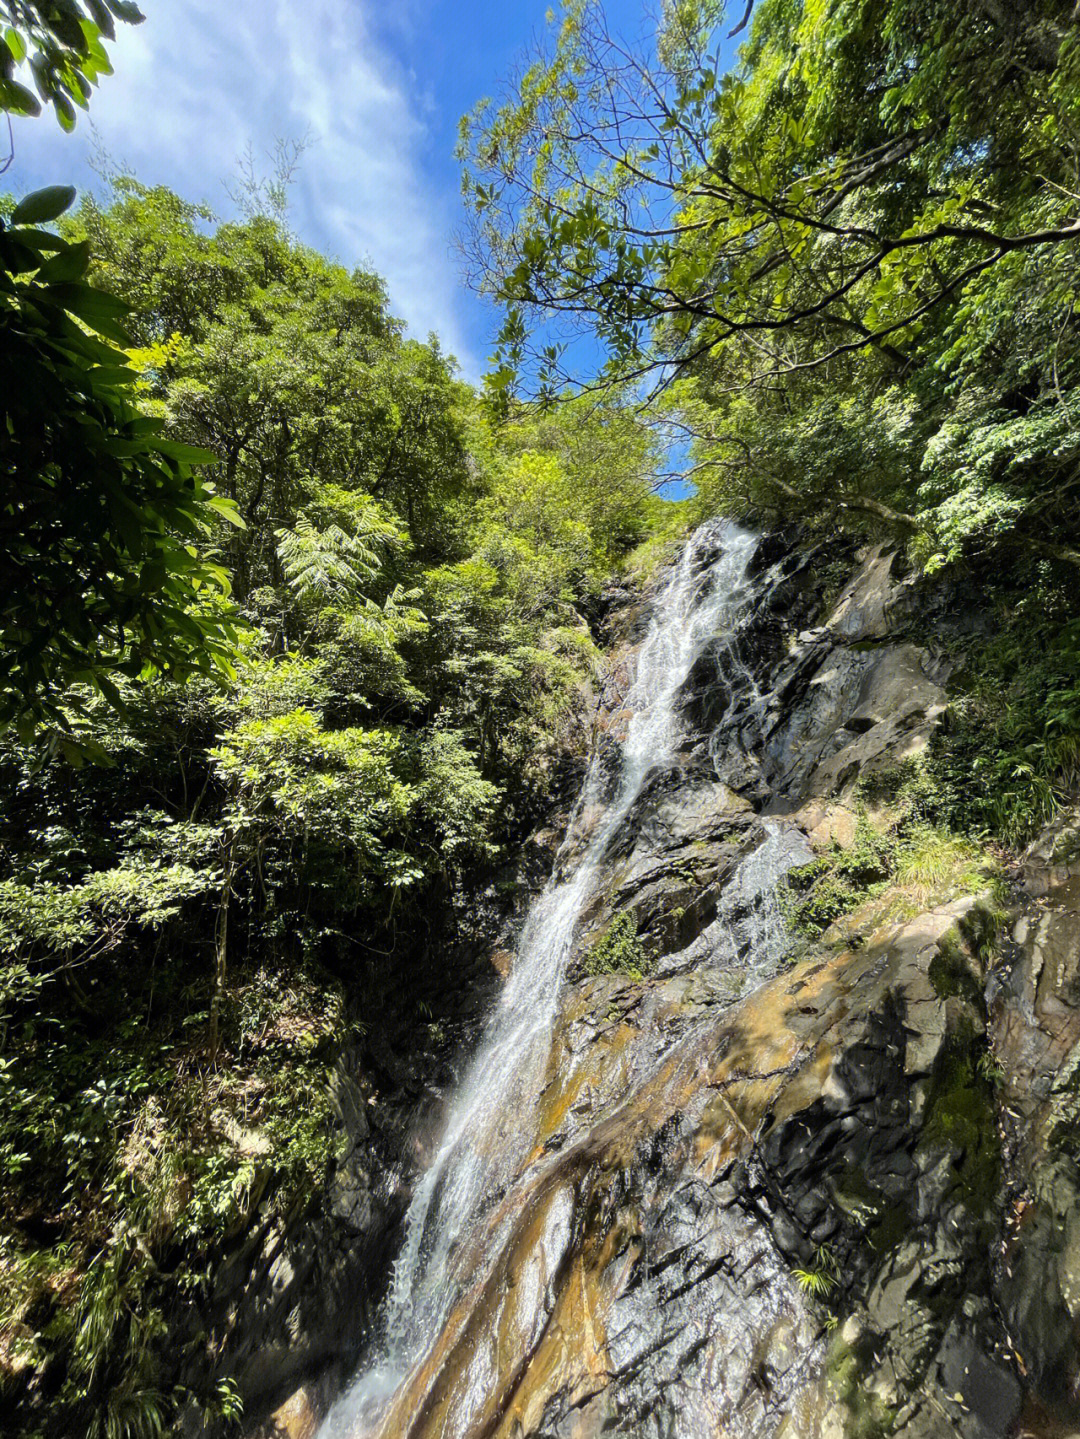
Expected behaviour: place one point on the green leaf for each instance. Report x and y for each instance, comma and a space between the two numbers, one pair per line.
113, 375
111, 693
65, 25
80, 298
97, 309
15, 44
226, 508
17, 99
186, 454
102, 19
41, 240
16, 257
43, 205
71, 263
127, 11
65, 112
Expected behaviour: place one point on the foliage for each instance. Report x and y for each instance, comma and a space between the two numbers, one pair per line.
1014, 725
102, 572
1007, 757
61, 42
915, 864
821, 1277
836, 882
929, 860
359, 813
287, 366
619, 950
847, 266
324, 565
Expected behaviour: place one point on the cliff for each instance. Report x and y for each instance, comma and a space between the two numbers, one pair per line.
801, 1159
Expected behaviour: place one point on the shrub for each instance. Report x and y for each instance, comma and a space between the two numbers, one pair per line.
619, 950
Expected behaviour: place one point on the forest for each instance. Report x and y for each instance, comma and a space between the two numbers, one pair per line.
298, 629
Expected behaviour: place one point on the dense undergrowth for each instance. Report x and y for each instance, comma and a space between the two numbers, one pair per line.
895, 866
1008, 757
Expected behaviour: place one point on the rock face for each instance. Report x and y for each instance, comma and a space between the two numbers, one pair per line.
1034, 1001
705, 1156
830, 1199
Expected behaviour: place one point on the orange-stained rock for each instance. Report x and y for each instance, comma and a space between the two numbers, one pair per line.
297, 1418
501, 961
646, 1255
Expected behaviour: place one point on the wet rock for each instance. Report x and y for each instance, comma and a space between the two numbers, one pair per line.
826, 824
873, 600
1054, 857
830, 1123
299, 1417
896, 708
1035, 1031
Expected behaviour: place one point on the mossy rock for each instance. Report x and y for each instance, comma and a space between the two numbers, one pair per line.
962, 1114
950, 971
849, 1365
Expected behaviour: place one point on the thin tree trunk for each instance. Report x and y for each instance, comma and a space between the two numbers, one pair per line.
221, 951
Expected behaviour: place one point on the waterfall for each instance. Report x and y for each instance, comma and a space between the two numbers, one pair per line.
488, 1134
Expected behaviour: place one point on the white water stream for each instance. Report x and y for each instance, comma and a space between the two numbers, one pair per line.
488, 1133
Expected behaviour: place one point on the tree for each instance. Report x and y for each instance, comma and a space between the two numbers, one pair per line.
103, 520
101, 516
286, 365
856, 170
61, 40
872, 214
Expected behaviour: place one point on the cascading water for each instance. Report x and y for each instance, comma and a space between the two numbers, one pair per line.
488, 1135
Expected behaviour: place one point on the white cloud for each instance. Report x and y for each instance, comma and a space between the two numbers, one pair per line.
201, 78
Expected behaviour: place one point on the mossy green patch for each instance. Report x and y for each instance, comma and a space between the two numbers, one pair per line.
849, 1364
950, 970
961, 1114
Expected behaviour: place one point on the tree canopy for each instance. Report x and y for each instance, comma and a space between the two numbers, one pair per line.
402, 605
864, 236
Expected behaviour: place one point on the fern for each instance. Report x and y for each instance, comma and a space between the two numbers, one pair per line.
328, 565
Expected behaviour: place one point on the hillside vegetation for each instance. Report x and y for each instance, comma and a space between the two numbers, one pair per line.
198, 872
845, 268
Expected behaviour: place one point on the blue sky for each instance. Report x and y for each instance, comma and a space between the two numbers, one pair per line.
380, 84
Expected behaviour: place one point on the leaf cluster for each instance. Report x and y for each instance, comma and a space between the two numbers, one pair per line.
105, 515
61, 43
